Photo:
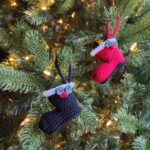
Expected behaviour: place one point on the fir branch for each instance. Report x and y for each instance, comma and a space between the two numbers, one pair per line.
29, 136
19, 107
89, 119
127, 122
66, 56
73, 145
144, 35
22, 27
141, 143
82, 38
4, 38
84, 97
144, 122
102, 142
37, 46
134, 59
145, 7
14, 80
18, 35
129, 8
64, 6
36, 17
142, 73
32, 2
128, 98
137, 31
86, 122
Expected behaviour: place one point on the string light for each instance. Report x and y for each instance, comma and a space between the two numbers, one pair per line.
116, 102
116, 137
25, 121
27, 57
44, 8
60, 21
116, 119
84, 84
28, 13
47, 73
133, 46
108, 123
57, 77
11, 59
57, 146
45, 4
13, 4
52, 1
66, 26
118, 97
73, 14
87, 23
44, 27
56, 44
46, 46
113, 2
10, 100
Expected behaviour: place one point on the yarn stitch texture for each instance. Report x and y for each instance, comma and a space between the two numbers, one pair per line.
66, 107
110, 55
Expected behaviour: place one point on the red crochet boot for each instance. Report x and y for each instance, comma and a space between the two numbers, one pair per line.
109, 53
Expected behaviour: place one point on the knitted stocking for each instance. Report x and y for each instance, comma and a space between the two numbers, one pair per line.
63, 98
110, 54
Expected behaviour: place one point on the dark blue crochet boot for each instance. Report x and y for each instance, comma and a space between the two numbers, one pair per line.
63, 98
66, 110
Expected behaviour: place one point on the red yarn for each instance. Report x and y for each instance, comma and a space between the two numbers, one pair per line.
63, 95
111, 56
107, 30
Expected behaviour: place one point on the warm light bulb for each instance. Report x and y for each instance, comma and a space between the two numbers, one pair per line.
56, 44
28, 13
46, 72
10, 100
113, 2
25, 121
108, 123
44, 8
60, 21
84, 84
27, 58
57, 146
44, 27
66, 26
116, 119
11, 59
46, 46
116, 137
57, 77
13, 4
133, 46
116, 102
73, 14
52, 1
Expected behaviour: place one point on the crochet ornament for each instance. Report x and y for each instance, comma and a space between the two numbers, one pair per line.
111, 56
64, 100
